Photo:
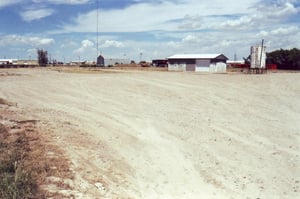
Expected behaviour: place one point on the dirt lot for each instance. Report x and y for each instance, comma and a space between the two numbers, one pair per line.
151, 134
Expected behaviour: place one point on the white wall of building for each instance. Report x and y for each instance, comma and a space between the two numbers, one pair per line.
113, 61
8, 61
219, 67
202, 69
177, 67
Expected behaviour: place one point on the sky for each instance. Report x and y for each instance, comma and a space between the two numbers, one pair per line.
145, 29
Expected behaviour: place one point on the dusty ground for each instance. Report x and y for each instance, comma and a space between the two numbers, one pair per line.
139, 134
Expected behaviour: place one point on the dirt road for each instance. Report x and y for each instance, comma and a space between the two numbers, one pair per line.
139, 134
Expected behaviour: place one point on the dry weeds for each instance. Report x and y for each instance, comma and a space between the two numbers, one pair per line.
29, 160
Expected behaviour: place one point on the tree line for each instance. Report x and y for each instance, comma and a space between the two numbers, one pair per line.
285, 59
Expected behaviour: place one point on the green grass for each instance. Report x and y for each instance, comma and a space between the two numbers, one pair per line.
17, 179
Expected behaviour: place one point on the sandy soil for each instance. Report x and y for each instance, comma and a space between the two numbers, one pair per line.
139, 134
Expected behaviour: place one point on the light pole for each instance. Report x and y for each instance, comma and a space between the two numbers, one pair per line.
141, 55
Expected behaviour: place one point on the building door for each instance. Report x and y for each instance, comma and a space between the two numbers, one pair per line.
190, 67
202, 65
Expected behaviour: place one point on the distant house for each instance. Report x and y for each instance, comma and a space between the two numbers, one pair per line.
8, 61
197, 62
78, 63
116, 61
160, 62
19, 62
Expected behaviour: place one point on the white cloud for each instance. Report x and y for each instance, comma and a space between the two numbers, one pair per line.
112, 43
41, 41
87, 43
278, 32
263, 14
35, 14
281, 37
263, 33
190, 39
279, 10
9, 40
172, 44
190, 22
4, 3
73, 2
242, 22
70, 2
285, 31
86, 47
68, 44
169, 16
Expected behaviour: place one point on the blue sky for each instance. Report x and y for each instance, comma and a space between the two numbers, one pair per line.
67, 29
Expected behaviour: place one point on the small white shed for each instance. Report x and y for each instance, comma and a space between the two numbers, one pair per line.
197, 62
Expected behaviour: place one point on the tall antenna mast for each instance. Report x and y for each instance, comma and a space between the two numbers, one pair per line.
97, 28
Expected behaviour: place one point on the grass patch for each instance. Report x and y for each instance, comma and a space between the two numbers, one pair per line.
18, 179
24, 164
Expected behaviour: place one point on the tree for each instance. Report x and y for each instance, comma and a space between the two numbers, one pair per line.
285, 59
42, 57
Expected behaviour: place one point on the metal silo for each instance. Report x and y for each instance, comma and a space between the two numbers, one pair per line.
258, 56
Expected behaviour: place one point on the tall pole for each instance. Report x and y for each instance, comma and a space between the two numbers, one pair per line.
261, 53
97, 28
141, 54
